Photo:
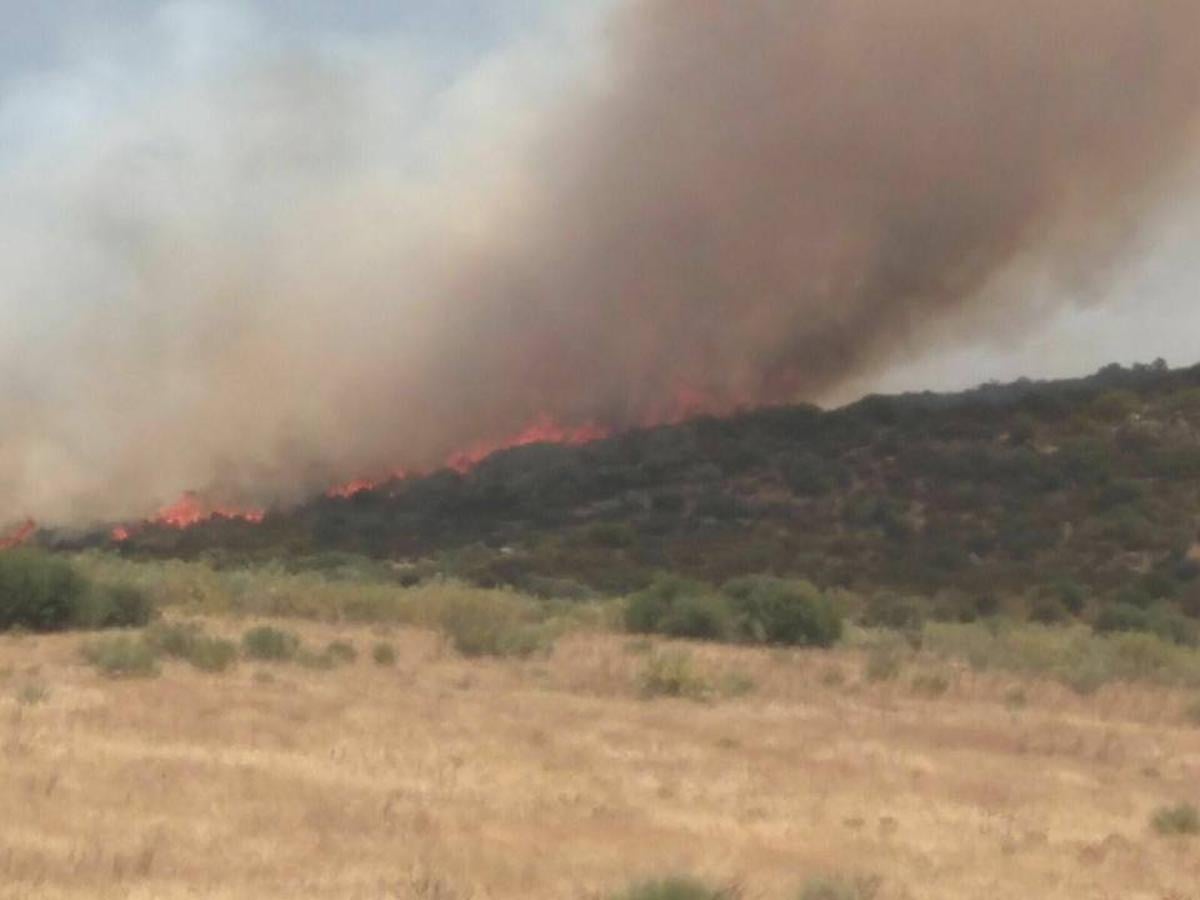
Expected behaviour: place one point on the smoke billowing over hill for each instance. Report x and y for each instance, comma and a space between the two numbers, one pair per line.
279, 269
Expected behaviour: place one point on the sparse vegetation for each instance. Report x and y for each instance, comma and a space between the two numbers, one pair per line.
672, 673
384, 654
840, 888
266, 643
676, 888
1182, 819
122, 656
495, 623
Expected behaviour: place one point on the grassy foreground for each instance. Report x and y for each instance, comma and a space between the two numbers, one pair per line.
333, 737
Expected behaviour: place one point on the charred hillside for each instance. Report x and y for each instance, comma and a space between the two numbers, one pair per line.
971, 497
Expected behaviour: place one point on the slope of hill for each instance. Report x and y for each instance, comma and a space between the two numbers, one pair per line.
1047, 494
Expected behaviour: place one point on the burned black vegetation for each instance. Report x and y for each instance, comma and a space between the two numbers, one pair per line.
1053, 500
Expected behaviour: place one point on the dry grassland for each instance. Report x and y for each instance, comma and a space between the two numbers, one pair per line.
551, 778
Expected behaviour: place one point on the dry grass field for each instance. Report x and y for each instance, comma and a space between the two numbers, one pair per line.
440, 777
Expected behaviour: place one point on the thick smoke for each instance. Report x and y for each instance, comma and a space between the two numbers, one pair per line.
292, 268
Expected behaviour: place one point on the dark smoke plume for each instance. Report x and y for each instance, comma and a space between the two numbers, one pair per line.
747, 201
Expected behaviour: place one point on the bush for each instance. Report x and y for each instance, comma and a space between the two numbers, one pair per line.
480, 623
187, 641
384, 654
777, 611
883, 663
122, 656
648, 608
672, 674
1181, 819
213, 654
839, 888
701, 617
930, 684
114, 606
886, 610
39, 592
269, 644
341, 652
676, 889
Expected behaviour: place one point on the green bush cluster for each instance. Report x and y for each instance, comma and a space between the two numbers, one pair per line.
42, 592
188, 642
266, 643
755, 609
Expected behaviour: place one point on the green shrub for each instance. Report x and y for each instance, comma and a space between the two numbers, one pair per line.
1180, 819
886, 610
213, 654
341, 652
930, 684
648, 608
269, 644
187, 641
39, 592
114, 606
122, 656
778, 611
883, 663
1192, 713
736, 683
173, 639
491, 623
672, 674
384, 654
701, 617
840, 888
311, 659
676, 889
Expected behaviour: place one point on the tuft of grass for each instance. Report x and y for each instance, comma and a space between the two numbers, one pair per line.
1015, 698
1181, 819
384, 654
267, 644
1192, 713
492, 623
122, 656
32, 693
930, 684
672, 673
341, 652
311, 659
677, 888
883, 663
736, 683
840, 888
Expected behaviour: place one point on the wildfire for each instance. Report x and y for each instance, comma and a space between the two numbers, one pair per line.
188, 511
19, 536
543, 431
361, 485
191, 509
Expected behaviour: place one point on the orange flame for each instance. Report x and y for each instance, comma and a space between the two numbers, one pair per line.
191, 509
19, 536
543, 431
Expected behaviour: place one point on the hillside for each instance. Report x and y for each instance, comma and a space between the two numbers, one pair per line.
1046, 494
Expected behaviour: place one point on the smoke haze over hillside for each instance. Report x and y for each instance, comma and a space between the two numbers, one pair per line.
254, 267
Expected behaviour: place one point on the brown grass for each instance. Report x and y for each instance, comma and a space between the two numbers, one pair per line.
552, 778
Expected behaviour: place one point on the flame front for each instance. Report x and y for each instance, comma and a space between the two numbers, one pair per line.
19, 536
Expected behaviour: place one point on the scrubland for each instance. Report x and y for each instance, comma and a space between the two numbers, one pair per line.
341, 739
